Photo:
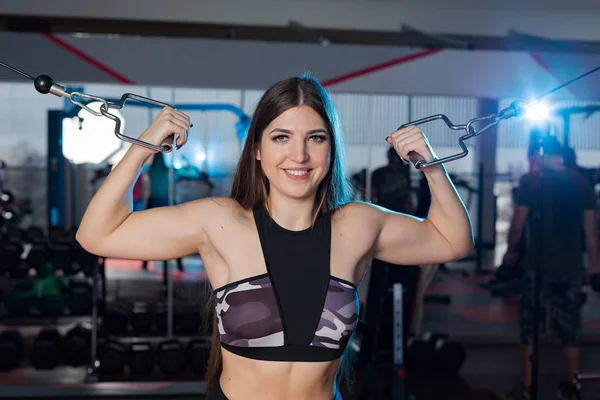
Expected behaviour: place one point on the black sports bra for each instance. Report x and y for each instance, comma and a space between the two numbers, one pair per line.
296, 311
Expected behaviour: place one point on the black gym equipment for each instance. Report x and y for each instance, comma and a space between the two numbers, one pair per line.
141, 359
141, 318
434, 354
78, 296
392, 291
112, 357
116, 319
45, 353
188, 319
11, 349
20, 300
38, 257
35, 234
161, 318
76, 346
198, 351
476, 127
170, 357
10, 253
50, 301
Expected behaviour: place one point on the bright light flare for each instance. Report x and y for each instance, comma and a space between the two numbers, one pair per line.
199, 156
537, 112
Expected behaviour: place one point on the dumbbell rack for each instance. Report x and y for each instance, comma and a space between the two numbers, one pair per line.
58, 318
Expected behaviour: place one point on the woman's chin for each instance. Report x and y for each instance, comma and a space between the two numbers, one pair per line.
298, 195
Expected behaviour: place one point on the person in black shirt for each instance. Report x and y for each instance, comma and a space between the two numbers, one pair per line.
570, 161
390, 185
568, 210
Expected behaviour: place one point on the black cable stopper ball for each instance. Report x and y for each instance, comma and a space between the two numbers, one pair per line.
43, 83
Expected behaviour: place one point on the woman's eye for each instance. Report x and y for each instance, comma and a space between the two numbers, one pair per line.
280, 138
318, 138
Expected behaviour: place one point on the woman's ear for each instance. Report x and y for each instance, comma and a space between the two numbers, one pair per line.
258, 154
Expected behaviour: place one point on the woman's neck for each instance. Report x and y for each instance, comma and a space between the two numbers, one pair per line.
290, 214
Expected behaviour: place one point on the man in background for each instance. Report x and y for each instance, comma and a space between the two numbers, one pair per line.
390, 185
567, 208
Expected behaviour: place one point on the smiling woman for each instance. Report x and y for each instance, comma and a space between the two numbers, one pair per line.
286, 252
294, 154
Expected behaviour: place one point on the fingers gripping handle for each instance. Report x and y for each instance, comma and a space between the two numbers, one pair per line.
416, 159
45, 84
167, 144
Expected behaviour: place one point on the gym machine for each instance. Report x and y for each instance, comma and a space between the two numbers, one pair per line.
59, 215
473, 128
170, 355
44, 84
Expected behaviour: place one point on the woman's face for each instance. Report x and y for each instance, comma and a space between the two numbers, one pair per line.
295, 153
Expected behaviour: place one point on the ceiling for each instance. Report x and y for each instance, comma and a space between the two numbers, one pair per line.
572, 5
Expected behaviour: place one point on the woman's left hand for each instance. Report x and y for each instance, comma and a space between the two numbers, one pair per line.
410, 139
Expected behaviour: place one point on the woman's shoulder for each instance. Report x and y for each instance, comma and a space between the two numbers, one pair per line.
357, 210
217, 206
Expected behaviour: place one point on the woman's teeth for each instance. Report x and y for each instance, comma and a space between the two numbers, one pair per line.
297, 172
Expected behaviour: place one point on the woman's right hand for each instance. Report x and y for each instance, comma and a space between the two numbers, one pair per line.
166, 123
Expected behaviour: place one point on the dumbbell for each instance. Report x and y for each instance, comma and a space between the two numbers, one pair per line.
10, 256
112, 356
51, 305
50, 302
57, 234
38, 257
64, 243
85, 260
76, 346
34, 234
450, 356
188, 319
161, 318
140, 359
198, 351
435, 353
61, 251
170, 357
20, 300
141, 318
11, 349
33, 253
45, 353
78, 297
419, 356
116, 318
61, 257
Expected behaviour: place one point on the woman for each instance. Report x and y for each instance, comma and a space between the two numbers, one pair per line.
286, 252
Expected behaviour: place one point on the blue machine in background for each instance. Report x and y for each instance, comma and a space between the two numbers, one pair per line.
59, 189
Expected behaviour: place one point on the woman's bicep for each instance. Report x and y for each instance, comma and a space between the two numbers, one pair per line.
407, 240
157, 234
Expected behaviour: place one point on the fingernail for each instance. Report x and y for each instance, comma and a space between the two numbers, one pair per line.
387, 137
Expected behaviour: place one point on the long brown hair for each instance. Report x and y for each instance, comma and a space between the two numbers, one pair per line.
250, 186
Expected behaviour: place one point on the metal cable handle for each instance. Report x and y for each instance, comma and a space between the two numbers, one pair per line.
517, 108
45, 84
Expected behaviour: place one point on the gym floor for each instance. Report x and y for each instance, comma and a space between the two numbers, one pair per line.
486, 325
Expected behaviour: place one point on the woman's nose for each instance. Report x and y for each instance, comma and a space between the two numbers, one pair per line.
299, 151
